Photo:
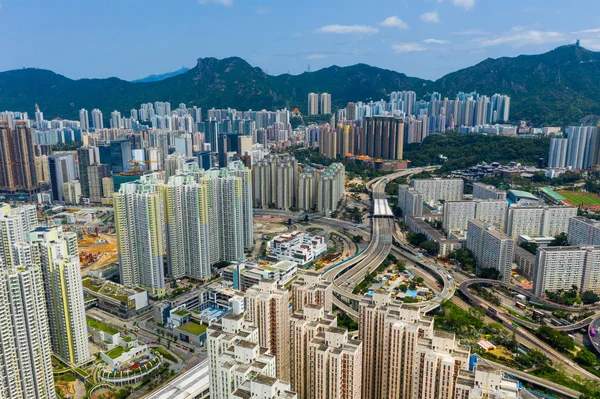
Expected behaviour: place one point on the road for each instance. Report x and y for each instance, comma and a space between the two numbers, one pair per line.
595, 340
347, 274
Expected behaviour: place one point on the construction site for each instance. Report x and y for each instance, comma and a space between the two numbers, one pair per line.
97, 250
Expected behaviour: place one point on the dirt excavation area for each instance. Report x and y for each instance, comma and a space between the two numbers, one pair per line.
95, 252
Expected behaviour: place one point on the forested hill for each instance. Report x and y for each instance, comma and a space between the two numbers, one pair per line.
559, 87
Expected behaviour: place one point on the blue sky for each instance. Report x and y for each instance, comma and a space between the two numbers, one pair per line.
425, 38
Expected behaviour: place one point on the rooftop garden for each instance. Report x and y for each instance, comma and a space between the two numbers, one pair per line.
99, 326
116, 352
193, 328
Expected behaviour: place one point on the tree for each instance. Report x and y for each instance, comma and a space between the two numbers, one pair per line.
585, 357
420, 280
401, 266
560, 240
590, 297
489, 273
416, 239
357, 238
431, 247
530, 247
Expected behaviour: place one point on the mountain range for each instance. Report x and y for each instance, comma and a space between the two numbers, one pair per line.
556, 88
162, 76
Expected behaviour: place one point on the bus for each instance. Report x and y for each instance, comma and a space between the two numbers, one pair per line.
593, 332
515, 325
520, 305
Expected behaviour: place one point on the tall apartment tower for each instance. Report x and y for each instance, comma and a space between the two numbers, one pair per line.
97, 119
86, 156
325, 106
17, 158
226, 215
268, 310
403, 357
538, 221
62, 170
25, 355
485, 192
274, 182
14, 225
234, 355
583, 231
238, 169
84, 120
561, 268
382, 137
139, 221
557, 156
325, 362
186, 217
312, 289
59, 261
313, 104
490, 247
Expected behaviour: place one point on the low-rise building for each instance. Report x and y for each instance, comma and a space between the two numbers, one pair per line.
297, 247
245, 275
121, 301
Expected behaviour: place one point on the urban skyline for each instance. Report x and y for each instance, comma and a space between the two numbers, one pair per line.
390, 34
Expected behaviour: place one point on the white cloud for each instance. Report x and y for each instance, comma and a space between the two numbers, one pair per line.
591, 44
316, 56
520, 38
466, 4
408, 47
260, 10
432, 17
595, 30
226, 3
470, 32
436, 41
394, 22
348, 29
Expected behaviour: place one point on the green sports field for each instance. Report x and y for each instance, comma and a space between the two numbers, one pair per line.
581, 198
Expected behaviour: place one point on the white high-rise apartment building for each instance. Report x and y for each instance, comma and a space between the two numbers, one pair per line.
59, 260
583, 231
410, 201
226, 215
561, 268
557, 157
582, 149
456, 214
490, 247
439, 189
330, 188
269, 311
312, 289
313, 104
25, 350
325, 362
538, 221
14, 225
484, 192
97, 119
274, 181
139, 221
84, 120
116, 122
325, 108
238, 169
188, 230
485, 382
403, 357
264, 387
235, 355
